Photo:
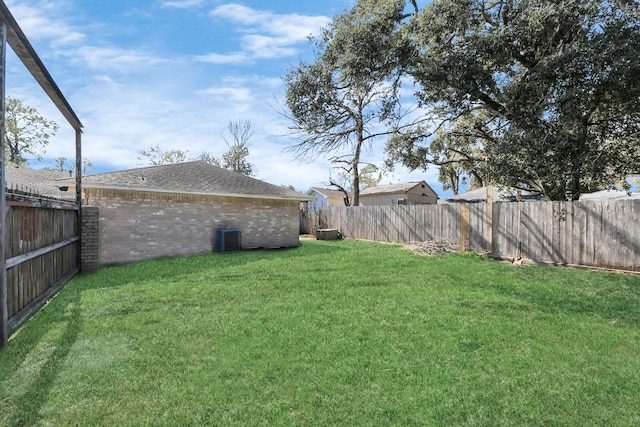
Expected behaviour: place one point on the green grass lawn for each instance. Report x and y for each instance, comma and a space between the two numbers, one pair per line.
331, 333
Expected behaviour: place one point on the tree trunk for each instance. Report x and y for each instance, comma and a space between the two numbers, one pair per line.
355, 184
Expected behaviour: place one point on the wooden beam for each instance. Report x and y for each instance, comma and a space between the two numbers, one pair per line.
78, 167
4, 309
19, 43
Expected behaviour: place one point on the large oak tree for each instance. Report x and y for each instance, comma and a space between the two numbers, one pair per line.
544, 94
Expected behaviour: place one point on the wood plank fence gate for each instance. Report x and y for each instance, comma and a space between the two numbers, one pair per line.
42, 241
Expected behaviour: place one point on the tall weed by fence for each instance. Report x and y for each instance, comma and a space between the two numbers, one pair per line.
596, 233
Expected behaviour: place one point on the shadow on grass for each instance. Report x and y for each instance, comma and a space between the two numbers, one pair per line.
26, 405
37, 353
163, 268
615, 298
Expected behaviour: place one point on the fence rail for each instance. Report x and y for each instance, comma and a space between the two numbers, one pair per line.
596, 233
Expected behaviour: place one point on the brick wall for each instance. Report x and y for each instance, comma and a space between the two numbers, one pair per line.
137, 225
89, 239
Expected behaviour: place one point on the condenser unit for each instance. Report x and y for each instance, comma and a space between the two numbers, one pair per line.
228, 240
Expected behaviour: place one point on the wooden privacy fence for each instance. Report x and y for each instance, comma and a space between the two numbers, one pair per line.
596, 233
308, 221
42, 251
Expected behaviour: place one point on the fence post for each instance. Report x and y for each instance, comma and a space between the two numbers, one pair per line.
465, 230
490, 218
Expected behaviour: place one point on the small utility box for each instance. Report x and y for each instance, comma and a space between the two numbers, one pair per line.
228, 240
327, 234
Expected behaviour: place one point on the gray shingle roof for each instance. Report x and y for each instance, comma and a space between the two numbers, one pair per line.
44, 182
393, 188
610, 195
327, 192
190, 178
500, 194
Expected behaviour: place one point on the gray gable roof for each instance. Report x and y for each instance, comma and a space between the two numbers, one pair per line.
190, 178
402, 187
327, 192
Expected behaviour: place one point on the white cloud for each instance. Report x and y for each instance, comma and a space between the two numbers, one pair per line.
268, 47
293, 27
266, 34
216, 58
182, 4
113, 58
37, 26
231, 94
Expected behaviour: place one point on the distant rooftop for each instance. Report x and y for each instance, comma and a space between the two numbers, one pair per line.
43, 182
610, 195
327, 192
402, 187
500, 194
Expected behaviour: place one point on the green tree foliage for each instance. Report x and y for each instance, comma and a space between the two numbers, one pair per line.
453, 147
545, 93
27, 132
156, 156
349, 96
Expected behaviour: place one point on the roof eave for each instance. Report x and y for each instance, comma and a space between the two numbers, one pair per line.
196, 193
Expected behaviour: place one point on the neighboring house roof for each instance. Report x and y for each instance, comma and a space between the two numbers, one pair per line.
190, 178
326, 192
500, 194
394, 188
610, 195
42, 182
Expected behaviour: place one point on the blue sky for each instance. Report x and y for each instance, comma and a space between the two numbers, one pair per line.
173, 73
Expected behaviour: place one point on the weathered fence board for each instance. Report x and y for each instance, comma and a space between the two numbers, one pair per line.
42, 247
598, 233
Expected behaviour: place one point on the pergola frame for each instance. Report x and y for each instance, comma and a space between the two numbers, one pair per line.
12, 34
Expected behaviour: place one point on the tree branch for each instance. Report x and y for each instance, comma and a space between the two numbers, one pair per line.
347, 202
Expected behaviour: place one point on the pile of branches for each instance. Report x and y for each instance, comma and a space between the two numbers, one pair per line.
433, 247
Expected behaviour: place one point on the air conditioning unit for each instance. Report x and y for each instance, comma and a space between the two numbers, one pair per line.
228, 240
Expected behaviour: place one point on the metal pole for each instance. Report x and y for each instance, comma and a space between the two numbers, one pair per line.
4, 309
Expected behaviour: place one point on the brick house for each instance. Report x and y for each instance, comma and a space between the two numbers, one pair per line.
177, 209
